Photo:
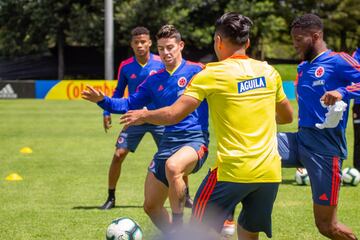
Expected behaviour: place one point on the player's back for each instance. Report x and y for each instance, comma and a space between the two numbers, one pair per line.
242, 97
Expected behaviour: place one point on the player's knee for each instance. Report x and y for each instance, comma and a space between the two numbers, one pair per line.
172, 169
326, 229
149, 208
119, 155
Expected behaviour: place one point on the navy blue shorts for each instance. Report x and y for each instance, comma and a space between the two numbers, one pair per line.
324, 171
131, 137
171, 143
216, 200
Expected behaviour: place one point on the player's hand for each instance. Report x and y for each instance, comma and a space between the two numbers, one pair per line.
107, 122
331, 97
133, 117
92, 95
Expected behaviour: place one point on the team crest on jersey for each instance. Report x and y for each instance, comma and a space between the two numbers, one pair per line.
152, 72
182, 82
120, 140
152, 165
251, 84
133, 76
319, 72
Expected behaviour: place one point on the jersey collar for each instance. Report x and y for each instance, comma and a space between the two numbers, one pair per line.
238, 56
143, 65
319, 55
175, 69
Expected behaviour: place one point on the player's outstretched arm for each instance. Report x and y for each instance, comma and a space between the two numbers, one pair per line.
92, 95
284, 112
164, 116
113, 105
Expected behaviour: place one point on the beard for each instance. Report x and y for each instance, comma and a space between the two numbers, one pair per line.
309, 54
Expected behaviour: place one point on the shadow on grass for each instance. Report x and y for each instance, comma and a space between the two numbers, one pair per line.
292, 182
97, 207
289, 182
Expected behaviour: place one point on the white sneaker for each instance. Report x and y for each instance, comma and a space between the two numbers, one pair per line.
228, 229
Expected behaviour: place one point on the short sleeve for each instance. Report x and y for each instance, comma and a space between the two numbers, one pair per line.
280, 94
201, 85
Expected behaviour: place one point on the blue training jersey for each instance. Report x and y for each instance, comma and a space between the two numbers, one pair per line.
356, 56
132, 74
163, 89
328, 71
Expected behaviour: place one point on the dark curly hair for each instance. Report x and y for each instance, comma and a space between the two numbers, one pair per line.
139, 31
308, 21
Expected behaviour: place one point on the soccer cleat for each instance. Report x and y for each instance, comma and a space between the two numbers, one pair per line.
188, 202
228, 229
109, 204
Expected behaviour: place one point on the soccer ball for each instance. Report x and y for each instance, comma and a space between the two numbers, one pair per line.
124, 229
350, 176
302, 178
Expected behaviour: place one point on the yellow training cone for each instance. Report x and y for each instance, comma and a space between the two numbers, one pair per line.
26, 150
14, 177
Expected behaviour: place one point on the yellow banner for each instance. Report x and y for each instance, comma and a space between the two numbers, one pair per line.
71, 89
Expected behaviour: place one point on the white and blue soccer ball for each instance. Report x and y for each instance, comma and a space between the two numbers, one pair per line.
350, 176
124, 228
302, 177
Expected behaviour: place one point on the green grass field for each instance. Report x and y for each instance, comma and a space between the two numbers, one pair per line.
65, 178
286, 71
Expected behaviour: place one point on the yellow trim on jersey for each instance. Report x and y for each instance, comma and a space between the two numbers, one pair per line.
171, 72
318, 56
242, 94
142, 65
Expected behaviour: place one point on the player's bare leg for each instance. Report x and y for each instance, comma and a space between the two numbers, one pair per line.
115, 167
156, 194
328, 225
113, 177
246, 235
188, 200
178, 165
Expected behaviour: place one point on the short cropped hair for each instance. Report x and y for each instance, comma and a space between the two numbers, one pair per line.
168, 31
234, 27
308, 21
139, 31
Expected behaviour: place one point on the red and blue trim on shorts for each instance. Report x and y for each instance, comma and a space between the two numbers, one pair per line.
204, 196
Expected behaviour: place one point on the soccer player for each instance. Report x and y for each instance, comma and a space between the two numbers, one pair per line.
131, 73
356, 122
324, 76
246, 99
183, 148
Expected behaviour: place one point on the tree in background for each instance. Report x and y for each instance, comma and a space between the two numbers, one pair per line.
193, 18
33, 26
29, 27
341, 19
268, 23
